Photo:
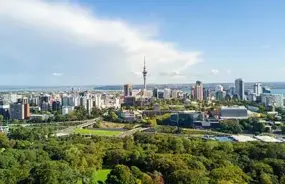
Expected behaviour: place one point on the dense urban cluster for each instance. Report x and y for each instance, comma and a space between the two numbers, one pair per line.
144, 136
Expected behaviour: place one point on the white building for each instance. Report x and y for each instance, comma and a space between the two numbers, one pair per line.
234, 112
174, 94
67, 109
89, 105
167, 93
219, 88
257, 89
272, 99
98, 101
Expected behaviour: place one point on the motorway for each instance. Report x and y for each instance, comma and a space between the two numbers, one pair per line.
69, 130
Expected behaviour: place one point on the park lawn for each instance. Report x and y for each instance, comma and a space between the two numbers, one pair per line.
98, 132
101, 175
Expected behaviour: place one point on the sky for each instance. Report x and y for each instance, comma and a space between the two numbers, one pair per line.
104, 42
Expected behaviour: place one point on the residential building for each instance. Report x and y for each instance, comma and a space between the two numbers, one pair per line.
239, 88
17, 111
89, 105
198, 91
26, 111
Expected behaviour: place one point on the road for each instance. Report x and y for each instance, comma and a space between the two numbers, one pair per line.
69, 130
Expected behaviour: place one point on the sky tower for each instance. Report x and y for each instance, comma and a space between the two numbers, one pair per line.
144, 72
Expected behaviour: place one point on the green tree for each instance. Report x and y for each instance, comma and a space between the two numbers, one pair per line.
121, 174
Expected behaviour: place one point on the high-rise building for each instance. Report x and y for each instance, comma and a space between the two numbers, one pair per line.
89, 105
167, 93
56, 105
198, 93
239, 88
26, 111
257, 89
45, 106
174, 94
17, 111
219, 88
220, 95
128, 91
155, 93
83, 102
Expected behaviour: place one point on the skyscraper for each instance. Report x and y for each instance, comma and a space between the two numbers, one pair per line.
198, 92
144, 72
155, 93
257, 89
239, 88
128, 90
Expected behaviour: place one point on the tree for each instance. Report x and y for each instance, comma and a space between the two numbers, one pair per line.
230, 173
1, 118
121, 174
188, 176
283, 129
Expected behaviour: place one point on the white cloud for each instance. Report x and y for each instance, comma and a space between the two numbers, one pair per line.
214, 71
229, 71
57, 74
83, 42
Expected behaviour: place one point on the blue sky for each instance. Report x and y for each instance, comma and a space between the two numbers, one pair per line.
92, 42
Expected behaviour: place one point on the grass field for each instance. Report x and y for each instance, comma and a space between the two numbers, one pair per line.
97, 132
101, 175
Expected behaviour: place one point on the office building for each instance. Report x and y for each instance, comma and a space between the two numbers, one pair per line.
155, 93
239, 89
252, 97
206, 94
56, 105
257, 89
198, 91
17, 111
128, 90
167, 93
220, 95
160, 94
45, 106
4, 111
219, 88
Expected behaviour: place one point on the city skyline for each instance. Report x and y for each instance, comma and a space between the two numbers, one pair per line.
105, 42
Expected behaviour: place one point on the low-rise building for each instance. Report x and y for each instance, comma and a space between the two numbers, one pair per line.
233, 112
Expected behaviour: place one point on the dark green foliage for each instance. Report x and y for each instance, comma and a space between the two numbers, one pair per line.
31, 156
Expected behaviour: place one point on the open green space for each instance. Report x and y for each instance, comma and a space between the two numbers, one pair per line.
98, 132
101, 175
